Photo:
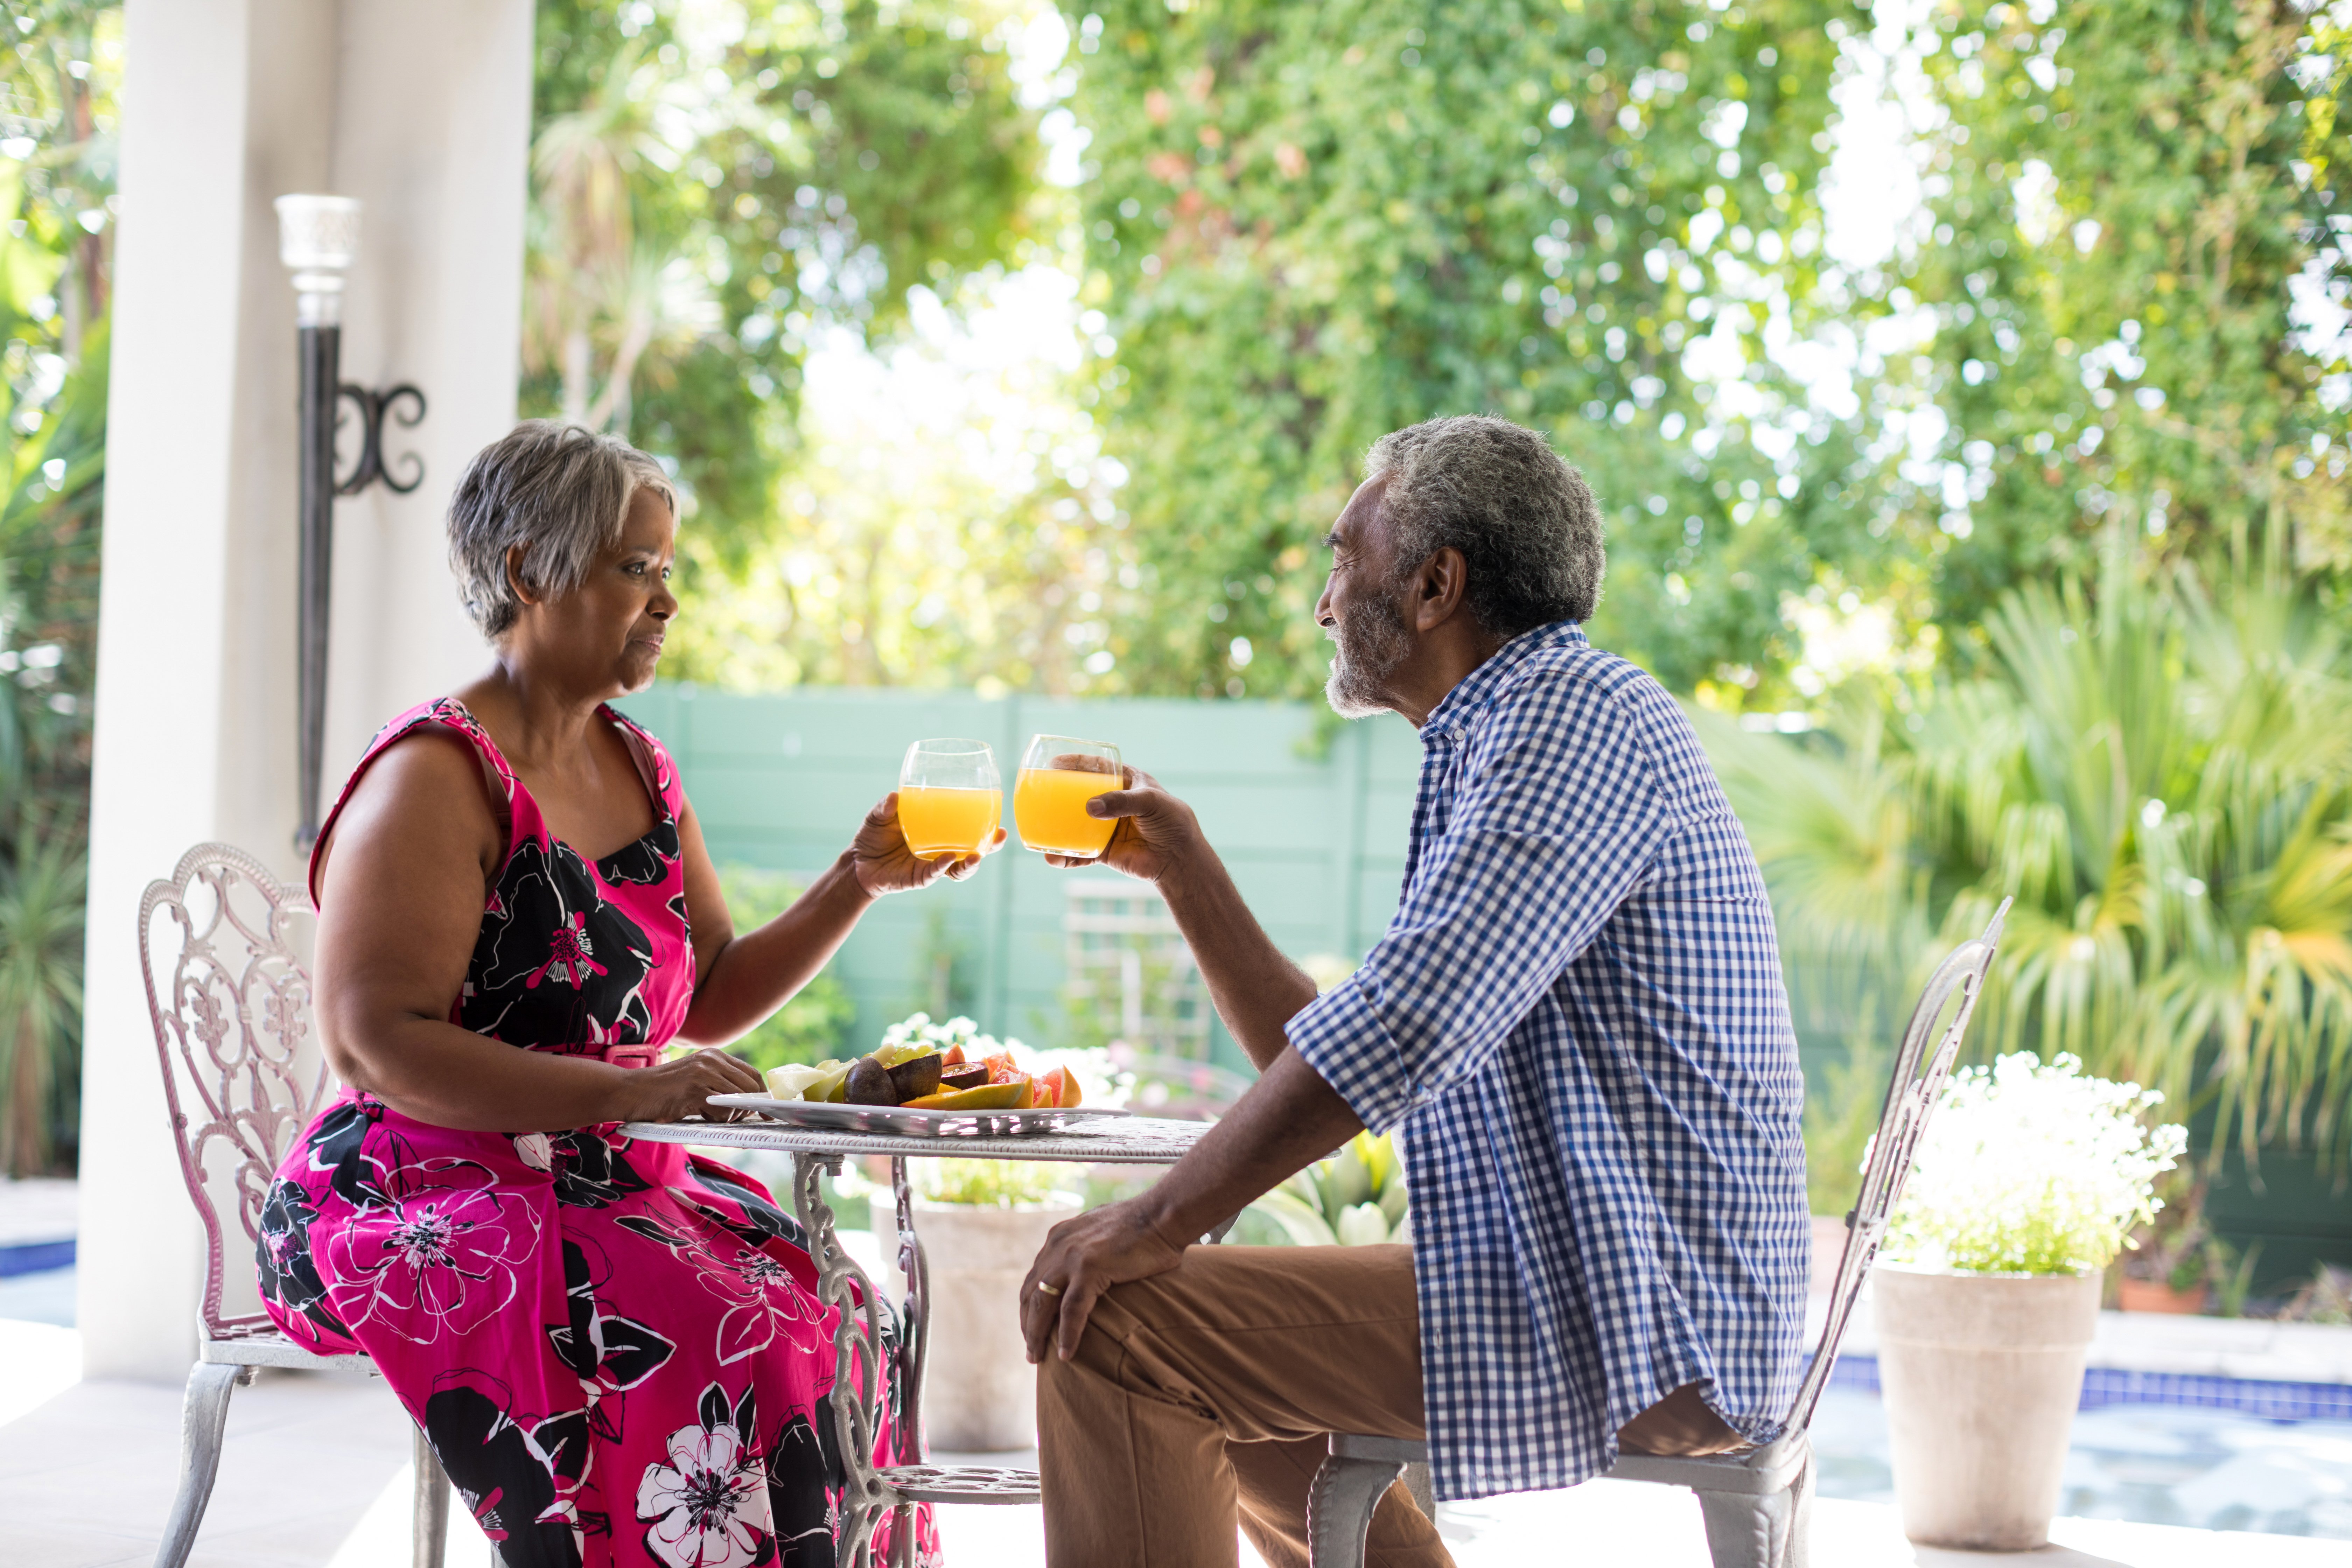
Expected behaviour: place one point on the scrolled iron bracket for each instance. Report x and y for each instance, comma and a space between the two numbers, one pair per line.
370, 466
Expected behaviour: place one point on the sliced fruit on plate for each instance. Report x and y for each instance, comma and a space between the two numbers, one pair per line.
967, 1075
1064, 1083
786, 1082
867, 1083
822, 1087
915, 1077
987, 1097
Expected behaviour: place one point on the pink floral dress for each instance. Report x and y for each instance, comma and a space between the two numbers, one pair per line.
614, 1347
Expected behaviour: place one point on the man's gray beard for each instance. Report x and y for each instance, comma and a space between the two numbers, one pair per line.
1373, 641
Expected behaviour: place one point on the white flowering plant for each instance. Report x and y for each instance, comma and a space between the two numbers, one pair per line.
2028, 1168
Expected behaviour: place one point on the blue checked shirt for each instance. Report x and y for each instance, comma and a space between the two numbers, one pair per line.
1576, 1025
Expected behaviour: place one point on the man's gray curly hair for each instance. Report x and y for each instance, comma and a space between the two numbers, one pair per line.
1524, 521
562, 490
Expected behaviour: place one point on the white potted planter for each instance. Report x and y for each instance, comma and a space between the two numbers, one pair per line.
1981, 1373
1987, 1295
980, 1393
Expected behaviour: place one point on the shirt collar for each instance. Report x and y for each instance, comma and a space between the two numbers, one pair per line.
1460, 707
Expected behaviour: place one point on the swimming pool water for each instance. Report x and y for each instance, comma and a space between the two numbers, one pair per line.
2154, 1464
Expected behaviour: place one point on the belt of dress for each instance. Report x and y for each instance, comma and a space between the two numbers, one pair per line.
637, 1056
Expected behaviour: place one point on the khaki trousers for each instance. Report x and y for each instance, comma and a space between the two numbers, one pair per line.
1205, 1394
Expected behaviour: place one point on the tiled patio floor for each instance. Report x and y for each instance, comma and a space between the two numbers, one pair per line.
316, 1473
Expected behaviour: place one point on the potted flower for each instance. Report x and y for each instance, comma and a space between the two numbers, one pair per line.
2028, 1181
2172, 1258
981, 1223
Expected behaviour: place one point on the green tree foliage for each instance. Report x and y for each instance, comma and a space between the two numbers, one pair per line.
41, 897
59, 74
2157, 772
1315, 223
948, 540
2124, 203
713, 185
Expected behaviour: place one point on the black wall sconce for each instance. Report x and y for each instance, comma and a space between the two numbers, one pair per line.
317, 239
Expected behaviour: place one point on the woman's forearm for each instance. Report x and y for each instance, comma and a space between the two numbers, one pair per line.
757, 973
435, 1071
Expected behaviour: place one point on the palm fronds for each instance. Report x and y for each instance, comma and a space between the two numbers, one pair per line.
40, 992
2161, 772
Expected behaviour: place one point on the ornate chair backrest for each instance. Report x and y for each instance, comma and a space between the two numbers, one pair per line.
1912, 1090
224, 946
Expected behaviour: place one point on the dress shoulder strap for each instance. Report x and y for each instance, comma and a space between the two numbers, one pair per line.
446, 713
654, 757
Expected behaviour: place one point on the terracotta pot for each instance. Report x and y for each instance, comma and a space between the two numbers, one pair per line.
1982, 1375
2155, 1296
980, 1393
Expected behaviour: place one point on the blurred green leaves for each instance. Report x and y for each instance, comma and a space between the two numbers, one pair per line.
2135, 215
59, 78
713, 185
1311, 224
814, 1023
2159, 772
1355, 1198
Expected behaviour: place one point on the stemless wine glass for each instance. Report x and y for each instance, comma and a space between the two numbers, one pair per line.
949, 799
1058, 775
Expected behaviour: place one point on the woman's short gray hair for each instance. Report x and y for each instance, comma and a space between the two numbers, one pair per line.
1524, 521
558, 488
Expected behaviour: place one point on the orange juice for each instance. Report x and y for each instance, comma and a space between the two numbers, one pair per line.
1049, 806
948, 821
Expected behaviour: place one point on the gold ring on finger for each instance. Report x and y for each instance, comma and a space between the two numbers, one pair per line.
1046, 1289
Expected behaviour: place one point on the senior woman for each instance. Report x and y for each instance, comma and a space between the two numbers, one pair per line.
614, 1348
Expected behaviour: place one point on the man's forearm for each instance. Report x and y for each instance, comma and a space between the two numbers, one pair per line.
1254, 988
1289, 1118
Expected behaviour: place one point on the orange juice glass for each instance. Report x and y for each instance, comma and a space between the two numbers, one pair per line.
949, 799
1058, 775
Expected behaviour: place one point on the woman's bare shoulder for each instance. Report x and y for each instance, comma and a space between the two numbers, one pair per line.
429, 792
431, 762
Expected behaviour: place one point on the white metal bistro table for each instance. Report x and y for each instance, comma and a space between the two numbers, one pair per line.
857, 1342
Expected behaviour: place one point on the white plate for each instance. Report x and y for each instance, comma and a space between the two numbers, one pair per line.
892, 1119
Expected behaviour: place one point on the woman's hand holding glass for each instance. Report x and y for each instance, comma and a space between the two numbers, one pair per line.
938, 822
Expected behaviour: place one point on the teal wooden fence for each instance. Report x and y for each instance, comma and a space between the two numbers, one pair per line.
1315, 838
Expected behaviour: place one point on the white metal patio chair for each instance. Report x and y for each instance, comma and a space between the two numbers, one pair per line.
230, 996
1757, 1501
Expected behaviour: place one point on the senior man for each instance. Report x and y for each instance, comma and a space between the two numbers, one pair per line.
1576, 1024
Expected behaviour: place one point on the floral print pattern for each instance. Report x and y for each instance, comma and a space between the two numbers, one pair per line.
557, 960
708, 1507
615, 1348
290, 1277
439, 1256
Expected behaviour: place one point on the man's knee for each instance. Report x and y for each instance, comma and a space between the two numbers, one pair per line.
1680, 1425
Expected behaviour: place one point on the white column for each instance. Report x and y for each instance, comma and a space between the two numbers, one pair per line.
422, 110
432, 131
